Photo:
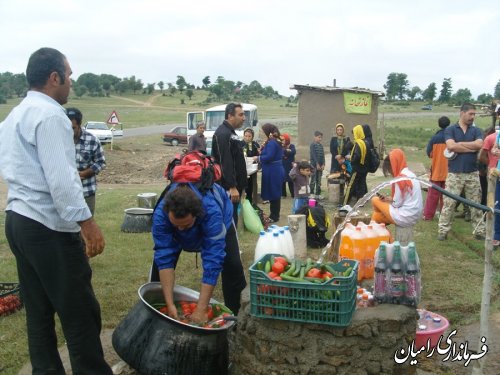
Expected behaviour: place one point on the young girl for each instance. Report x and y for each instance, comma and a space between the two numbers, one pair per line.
404, 206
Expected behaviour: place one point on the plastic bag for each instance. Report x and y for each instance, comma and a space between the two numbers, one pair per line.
251, 217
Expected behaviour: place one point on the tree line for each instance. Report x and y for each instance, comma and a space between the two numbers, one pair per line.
398, 87
15, 85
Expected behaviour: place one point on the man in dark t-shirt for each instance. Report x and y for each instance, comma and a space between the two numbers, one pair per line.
465, 140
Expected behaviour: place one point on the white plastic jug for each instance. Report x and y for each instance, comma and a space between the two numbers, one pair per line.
289, 243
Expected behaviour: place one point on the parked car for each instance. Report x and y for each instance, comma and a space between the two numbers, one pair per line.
100, 130
176, 136
427, 107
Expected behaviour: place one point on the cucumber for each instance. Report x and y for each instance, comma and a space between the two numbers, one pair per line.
295, 279
260, 266
331, 270
348, 271
267, 268
290, 270
315, 280
302, 272
298, 266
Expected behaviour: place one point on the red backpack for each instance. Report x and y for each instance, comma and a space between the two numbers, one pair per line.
195, 167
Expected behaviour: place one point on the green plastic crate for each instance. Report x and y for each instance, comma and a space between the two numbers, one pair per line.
332, 303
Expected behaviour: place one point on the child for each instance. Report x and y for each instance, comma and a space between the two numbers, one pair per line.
300, 174
317, 156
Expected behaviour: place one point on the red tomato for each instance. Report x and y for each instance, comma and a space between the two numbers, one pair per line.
272, 274
314, 272
192, 306
278, 278
281, 260
278, 267
327, 274
210, 313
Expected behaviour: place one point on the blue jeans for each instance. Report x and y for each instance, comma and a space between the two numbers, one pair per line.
297, 203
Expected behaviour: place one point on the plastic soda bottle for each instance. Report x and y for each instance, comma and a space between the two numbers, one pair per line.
397, 279
358, 249
346, 245
380, 274
371, 245
412, 277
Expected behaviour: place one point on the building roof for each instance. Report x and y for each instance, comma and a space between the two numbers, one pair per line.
336, 89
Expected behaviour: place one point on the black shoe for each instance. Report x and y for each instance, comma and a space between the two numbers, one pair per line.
441, 237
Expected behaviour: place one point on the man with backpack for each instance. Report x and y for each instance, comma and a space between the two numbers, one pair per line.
185, 219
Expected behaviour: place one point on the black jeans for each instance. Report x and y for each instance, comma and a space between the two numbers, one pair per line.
315, 184
55, 277
233, 276
275, 207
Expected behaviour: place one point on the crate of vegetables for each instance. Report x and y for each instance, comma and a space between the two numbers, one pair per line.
10, 300
303, 291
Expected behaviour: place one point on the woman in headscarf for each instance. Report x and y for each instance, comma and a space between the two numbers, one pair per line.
250, 149
289, 152
358, 157
337, 146
404, 206
273, 174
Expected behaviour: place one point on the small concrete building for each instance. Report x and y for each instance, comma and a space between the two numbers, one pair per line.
321, 108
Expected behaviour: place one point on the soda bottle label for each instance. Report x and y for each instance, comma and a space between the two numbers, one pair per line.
411, 286
397, 285
379, 286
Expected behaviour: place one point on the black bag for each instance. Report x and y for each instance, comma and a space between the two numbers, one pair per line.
317, 224
373, 160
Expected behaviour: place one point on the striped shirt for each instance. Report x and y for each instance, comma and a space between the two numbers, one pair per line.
89, 154
37, 160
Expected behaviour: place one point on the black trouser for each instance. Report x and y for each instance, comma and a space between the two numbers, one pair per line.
233, 276
315, 184
290, 186
55, 277
357, 187
275, 207
249, 188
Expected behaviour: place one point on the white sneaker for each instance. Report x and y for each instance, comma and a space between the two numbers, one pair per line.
319, 197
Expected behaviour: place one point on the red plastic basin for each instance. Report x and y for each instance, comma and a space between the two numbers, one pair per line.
431, 333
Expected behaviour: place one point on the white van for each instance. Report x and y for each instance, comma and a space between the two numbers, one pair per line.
214, 116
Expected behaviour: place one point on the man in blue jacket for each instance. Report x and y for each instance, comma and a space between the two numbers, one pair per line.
187, 220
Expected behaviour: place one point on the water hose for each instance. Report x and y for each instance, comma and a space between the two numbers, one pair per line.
464, 200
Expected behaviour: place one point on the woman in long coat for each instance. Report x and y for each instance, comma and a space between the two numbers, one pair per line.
273, 173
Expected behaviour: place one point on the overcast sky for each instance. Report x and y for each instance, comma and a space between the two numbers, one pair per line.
278, 43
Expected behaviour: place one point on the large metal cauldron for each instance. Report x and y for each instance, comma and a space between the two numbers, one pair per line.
154, 344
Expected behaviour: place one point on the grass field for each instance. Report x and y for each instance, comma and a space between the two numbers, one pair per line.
452, 271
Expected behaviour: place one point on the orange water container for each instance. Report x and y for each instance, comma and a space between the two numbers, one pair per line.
371, 244
358, 249
346, 245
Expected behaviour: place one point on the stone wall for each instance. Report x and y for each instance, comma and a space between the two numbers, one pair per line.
277, 347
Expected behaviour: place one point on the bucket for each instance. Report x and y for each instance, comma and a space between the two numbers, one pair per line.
334, 191
312, 202
146, 200
153, 343
430, 326
137, 220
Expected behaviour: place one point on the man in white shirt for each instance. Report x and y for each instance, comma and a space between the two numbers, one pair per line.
46, 218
